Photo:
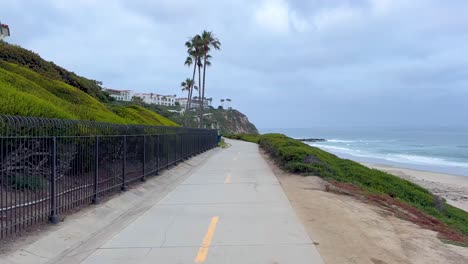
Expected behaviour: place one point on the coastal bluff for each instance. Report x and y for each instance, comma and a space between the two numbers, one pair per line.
233, 122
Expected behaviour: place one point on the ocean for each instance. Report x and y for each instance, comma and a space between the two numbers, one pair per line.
443, 150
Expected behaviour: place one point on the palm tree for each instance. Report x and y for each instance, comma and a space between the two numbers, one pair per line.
188, 62
187, 86
199, 65
206, 41
229, 103
193, 49
222, 103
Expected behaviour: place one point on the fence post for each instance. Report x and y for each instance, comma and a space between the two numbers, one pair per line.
124, 163
144, 158
190, 143
96, 170
53, 218
168, 150
184, 146
157, 154
176, 149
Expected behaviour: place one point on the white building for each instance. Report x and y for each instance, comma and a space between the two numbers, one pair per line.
195, 103
182, 102
152, 98
4, 31
120, 95
148, 98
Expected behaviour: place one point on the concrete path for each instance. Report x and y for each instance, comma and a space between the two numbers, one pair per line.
231, 210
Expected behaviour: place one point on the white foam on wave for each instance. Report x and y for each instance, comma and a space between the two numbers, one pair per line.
333, 147
340, 141
399, 158
334, 140
424, 160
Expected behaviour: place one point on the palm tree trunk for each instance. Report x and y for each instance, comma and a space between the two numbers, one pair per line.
189, 101
203, 89
185, 114
187, 105
189, 96
199, 95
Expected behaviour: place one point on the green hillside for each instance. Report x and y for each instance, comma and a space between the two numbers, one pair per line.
28, 59
40, 93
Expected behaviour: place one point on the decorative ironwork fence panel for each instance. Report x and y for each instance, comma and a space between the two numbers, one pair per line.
50, 167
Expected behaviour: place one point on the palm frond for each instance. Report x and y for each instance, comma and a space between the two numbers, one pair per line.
188, 61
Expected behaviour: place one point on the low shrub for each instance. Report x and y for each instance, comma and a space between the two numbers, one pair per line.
26, 182
222, 144
254, 138
135, 114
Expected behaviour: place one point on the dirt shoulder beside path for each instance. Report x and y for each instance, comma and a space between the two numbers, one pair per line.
348, 230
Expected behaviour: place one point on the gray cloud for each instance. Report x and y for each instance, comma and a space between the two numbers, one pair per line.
285, 63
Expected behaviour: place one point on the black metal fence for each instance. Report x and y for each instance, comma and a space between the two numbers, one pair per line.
49, 166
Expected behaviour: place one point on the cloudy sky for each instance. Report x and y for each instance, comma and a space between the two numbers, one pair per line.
284, 63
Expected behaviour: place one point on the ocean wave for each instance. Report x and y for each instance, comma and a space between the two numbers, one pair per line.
334, 148
417, 145
359, 140
424, 160
399, 158
341, 141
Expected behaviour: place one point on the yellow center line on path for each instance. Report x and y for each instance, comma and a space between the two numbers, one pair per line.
228, 179
203, 251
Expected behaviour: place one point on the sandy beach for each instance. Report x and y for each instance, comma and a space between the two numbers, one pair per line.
451, 187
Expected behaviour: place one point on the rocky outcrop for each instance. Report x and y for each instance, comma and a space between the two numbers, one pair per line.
312, 139
232, 122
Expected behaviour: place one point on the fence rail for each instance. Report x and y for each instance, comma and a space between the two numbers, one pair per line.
49, 167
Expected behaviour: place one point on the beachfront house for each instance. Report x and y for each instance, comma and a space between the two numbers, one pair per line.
4, 31
120, 95
195, 103
157, 99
